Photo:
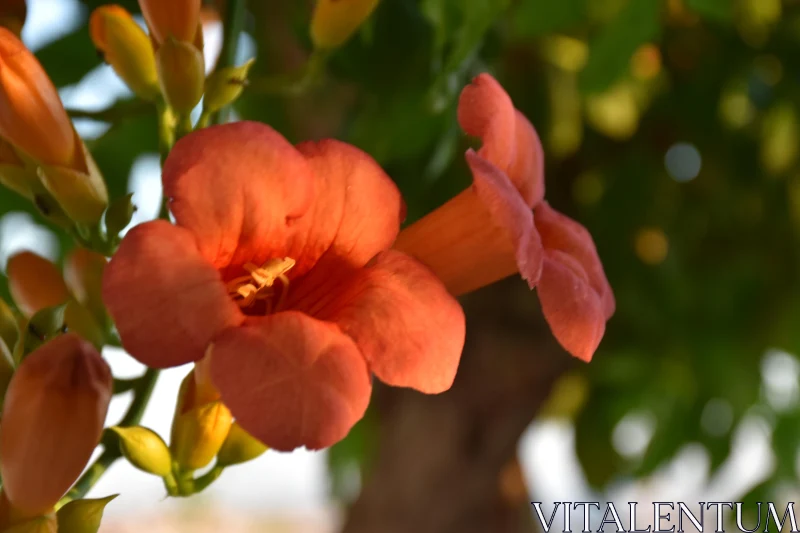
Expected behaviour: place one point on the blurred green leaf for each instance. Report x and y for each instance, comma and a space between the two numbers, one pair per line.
533, 18
119, 147
593, 429
459, 28
716, 10
610, 51
785, 443
70, 58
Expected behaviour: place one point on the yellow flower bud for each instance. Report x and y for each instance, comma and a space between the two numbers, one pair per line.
81, 193
13, 14
178, 19
82, 516
224, 86
126, 47
239, 447
181, 72
144, 449
201, 423
33, 118
334, 21
52, 420
35, 283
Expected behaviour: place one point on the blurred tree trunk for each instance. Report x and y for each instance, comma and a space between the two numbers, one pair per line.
447, 463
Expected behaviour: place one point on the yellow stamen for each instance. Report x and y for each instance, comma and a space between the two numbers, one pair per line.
246, 290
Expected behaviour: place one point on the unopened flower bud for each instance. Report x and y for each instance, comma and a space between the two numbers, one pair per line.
13, 14
81, 193
82, 516
35, 283
334, 21
53, 417
224, 86
201, 422
181, 72
83, 273
33, 118
144, 449
45, 325
126, 47
239, 447
39, 291
178, 19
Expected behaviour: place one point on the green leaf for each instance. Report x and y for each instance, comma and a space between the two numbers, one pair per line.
70, 58
714, 10
593, 446
533, 18
459, 30
119, 147
611, 50
785, 442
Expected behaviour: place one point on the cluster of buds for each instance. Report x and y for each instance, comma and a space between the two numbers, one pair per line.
55, 389
168, 62
50, 302
202, 430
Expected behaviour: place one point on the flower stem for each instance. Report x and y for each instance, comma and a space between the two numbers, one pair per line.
293, 85
232, 27
201, 483
111, 452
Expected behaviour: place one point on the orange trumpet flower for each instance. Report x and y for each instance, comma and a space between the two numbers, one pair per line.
53, 416
284, 269
501, 225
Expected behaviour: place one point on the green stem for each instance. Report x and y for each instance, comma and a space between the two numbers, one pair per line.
293, 85
232, 28
201, 483
166, 138
111, 452
166, 129
204, 120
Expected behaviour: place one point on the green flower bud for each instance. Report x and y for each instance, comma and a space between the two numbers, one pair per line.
82, 516
119, 214
224, 86
44, 325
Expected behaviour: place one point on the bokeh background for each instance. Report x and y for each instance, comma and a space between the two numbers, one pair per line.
671, 131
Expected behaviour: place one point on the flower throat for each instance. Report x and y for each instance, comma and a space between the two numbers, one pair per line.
256, 292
